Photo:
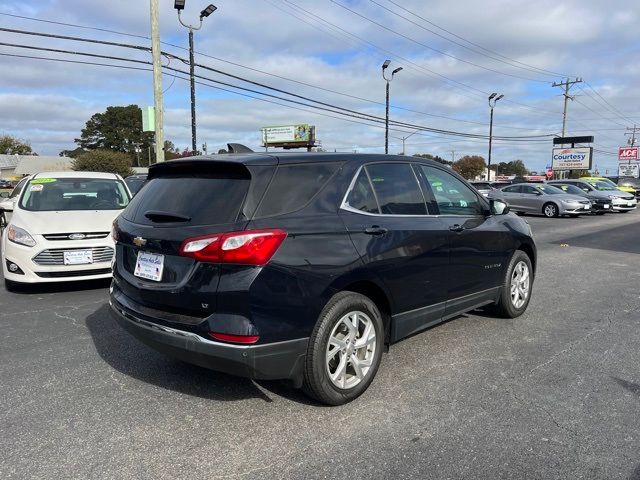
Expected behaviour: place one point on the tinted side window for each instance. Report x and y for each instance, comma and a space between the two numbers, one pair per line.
529, 190
452, 195
514, 189
396, 189
293, 186
362, 197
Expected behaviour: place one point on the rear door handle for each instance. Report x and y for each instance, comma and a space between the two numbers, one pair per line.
375, 230
456, 228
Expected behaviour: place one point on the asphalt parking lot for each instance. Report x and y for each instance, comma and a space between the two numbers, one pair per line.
552, 394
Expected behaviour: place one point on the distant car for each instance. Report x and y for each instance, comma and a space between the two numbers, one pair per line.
630, 182
5, 184
500, 184
621, 201
600, 201
60, 229
611, 183
483, 187
135, 182
542, 199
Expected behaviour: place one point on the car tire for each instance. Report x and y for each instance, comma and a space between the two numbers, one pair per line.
507, 307
550, 210
338, 379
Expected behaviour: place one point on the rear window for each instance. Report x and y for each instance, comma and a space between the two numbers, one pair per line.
203, 200
293, 186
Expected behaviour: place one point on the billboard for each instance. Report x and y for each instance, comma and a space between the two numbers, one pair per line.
626, 154
301, 133
629, 170
578, 158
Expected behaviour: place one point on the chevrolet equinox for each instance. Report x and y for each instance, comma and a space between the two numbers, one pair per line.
306, 267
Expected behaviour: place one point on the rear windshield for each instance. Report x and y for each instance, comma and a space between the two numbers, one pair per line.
66, 194
203, 200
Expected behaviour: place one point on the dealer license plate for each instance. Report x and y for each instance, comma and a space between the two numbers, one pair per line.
78, 257
606, 206
149, 266
629, 204
586, 207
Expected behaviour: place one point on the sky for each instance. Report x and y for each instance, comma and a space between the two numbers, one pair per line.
453, 55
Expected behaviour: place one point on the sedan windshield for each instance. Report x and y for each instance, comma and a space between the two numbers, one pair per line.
549, 190
572, 189
602, 186
64, 194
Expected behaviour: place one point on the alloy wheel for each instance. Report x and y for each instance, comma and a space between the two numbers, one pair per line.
550, 210
520, 284
351, 349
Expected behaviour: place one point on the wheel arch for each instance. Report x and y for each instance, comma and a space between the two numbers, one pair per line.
373, 291
530, 252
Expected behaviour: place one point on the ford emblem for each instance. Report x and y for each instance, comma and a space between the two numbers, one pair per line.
77, 236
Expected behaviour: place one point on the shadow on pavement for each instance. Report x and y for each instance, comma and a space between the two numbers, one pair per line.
129, 356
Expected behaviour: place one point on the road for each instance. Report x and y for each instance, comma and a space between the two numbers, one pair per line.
552, 394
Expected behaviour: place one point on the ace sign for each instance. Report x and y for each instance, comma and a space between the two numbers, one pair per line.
626, 154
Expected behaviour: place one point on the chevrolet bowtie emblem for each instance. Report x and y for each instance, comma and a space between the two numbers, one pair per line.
139, 241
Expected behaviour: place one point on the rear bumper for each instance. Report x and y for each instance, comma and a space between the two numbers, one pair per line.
278, 360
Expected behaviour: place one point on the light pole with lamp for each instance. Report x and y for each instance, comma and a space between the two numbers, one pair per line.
179, 6
493, 98
385, 65
404, 138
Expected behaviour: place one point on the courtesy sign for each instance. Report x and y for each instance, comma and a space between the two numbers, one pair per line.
572, 158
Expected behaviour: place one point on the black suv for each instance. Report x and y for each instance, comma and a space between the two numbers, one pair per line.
306, 266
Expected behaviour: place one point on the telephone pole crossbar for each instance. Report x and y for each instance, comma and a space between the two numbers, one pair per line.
567, 85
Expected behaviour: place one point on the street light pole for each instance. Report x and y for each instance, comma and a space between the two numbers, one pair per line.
179, 6
404, 138
493, 98
385, 65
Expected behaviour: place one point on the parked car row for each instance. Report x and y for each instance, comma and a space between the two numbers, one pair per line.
570, 197
278, 266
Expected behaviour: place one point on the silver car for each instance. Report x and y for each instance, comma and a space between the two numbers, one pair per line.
484, 188
542, 199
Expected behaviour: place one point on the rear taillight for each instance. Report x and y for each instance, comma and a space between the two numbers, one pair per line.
227, 337
251, 247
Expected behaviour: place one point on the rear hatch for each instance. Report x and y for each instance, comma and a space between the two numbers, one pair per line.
182, 200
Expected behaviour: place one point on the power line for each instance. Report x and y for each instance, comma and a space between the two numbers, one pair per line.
338, 109
344, 32
417, 42
505, 60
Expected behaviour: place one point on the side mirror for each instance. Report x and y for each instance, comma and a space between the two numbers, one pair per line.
499, 207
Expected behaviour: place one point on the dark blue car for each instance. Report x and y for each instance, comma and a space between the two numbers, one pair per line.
307, 266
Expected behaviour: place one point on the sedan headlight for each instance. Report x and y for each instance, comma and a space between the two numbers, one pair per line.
20, 236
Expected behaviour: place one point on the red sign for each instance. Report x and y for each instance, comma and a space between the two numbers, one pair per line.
627, 153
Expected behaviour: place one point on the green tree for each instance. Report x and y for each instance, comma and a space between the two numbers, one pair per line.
515, 167
72, 153
170, 150
103, 160
15, 146
118, 129
470, 166
222, 151
435, 158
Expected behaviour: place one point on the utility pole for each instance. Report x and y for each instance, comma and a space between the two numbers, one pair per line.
404, 138
453, 156
567, 85
493, 99
632, 140
157, 82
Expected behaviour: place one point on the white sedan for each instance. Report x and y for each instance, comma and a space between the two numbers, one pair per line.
60, 228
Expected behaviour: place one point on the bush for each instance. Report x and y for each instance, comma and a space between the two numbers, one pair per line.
104, 161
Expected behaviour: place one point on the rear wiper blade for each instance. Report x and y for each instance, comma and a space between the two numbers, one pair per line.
160, 216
